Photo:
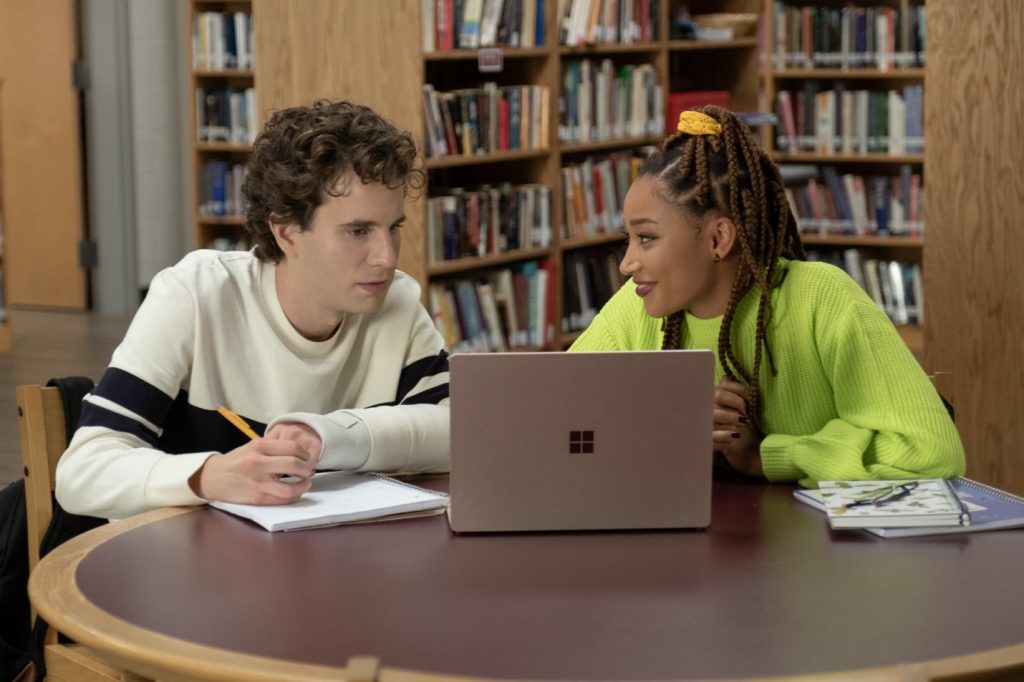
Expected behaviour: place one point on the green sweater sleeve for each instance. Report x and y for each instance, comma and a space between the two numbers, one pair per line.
891, 422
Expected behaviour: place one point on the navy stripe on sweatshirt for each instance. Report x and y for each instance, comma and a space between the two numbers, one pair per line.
131, 392
413, 373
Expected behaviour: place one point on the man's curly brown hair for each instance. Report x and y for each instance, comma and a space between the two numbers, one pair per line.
297, 160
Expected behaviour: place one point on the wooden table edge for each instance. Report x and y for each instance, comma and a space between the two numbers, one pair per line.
53, 590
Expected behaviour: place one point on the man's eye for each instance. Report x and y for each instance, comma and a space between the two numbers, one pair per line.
396, 227
360, 231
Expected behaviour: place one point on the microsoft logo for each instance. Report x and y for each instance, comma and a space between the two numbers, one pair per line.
581, 442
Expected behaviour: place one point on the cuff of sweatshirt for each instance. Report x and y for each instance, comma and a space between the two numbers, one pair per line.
776, 458
167, 482
345, 437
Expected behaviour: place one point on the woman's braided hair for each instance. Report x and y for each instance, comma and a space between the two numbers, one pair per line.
730, 173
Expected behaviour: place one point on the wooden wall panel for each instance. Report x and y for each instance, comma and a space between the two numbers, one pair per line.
974, 259
303, 53
42, 159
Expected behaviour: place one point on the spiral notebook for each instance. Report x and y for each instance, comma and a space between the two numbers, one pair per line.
338, 497
989, 508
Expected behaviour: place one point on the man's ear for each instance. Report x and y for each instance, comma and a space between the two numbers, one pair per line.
284, 235
724, 236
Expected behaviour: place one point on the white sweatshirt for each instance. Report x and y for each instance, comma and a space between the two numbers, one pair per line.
212, 332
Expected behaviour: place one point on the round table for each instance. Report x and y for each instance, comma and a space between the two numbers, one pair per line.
768, 590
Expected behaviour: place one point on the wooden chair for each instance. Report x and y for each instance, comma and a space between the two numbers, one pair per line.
43, 440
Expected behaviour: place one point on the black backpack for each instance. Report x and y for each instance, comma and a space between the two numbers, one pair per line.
20, 642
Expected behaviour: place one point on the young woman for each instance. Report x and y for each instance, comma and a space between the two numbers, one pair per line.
814, 383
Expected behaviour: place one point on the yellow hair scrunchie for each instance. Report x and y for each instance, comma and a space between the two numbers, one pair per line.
698, 123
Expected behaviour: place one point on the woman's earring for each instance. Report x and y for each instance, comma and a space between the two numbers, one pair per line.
718, 259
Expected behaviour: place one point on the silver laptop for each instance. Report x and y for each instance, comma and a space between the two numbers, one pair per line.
581, 441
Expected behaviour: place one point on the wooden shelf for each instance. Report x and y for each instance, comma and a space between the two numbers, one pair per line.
493, 157
862, 241
206, 228
615, 143
352, 35
811, 157
608, 48
235, 220
471, 55
222, 73
594, 240
698, 45
904, 249
463, 265
223, 147
851, 74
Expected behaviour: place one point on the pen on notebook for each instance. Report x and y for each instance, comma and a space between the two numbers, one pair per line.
237, 421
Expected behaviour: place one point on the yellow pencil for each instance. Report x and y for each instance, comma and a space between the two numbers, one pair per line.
237, 421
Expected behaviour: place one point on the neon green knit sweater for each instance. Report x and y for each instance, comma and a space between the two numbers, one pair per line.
849, 400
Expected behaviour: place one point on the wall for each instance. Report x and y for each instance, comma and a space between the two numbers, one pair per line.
974, 175
110, 183
135, 137
154, 49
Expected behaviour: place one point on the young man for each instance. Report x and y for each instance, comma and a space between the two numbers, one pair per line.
313, 337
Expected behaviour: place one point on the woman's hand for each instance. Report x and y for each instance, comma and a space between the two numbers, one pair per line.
734, 433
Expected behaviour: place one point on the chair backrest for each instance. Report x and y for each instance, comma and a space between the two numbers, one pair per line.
42, 421
43, 440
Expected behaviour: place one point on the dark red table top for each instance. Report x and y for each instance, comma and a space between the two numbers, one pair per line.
766, 590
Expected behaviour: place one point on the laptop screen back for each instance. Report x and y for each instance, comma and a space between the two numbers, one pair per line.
567, 441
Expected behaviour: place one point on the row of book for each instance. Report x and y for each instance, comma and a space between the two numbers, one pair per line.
449, 24
845, 121
880, 37
589, 279
222, 40
465, 223
226, 114
485, 119
602, 101
220, 188
594, 190
895, 286
590, 22
891, 205
504, 309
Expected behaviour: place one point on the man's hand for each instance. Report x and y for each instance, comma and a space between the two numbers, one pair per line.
252, 473
299, 433
734, 434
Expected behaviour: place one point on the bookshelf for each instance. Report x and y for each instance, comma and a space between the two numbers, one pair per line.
328, 49
850, 137
224, 117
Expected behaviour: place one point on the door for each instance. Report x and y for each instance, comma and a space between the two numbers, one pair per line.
40, 125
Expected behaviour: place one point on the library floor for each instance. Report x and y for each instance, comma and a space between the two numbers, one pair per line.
49, 344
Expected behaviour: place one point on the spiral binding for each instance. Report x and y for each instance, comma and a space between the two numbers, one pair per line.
402, 484
994, 492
